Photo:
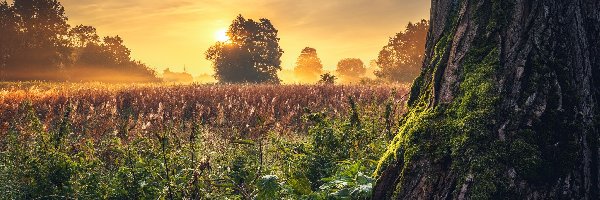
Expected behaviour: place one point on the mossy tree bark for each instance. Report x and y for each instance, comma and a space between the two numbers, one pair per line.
506, 105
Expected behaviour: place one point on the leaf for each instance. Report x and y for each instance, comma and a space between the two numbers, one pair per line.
362, 179
223, 185
300, 185
246, 142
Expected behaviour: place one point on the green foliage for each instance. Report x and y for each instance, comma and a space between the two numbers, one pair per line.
337, 156
35, 163
55, 158
269, 187
243, 174
349, 182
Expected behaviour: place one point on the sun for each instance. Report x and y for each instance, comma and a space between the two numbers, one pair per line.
221, 35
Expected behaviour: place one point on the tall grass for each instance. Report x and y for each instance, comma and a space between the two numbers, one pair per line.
97, 141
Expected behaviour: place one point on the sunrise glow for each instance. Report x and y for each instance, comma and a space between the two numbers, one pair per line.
221, 35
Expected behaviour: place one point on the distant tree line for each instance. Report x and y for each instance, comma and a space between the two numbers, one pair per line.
252, 55
177, 77
37, 43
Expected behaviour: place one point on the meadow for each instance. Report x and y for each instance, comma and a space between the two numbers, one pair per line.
140, 141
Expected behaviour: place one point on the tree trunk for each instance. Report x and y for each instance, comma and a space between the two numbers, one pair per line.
506, 105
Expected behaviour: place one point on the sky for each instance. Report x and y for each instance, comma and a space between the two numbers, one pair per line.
176, 33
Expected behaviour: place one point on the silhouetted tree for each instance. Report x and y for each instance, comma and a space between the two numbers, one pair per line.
92, 55
82, 35
308, 66
119, 53
111, 53
251, 56
88, 51
351, 70
110, 56
141, 72
402, 58
8, 35
42, 49
36, 43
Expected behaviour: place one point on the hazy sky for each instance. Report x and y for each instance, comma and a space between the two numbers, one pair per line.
174, 33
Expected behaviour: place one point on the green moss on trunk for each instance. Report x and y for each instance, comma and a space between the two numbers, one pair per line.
462, 129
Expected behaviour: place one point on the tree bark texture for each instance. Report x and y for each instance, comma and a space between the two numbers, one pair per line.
506, 105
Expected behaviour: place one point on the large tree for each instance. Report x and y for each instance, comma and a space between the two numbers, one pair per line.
308, 66
252, 55
505, 107
402, 58
42, 48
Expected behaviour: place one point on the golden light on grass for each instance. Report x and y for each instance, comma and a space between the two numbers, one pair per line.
221, 35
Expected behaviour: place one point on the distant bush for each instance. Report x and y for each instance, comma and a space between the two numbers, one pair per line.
327, 79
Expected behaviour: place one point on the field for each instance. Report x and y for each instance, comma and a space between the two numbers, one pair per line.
99, 141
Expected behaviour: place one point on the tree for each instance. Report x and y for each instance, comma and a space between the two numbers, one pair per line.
87, 49
81, 36
43, 49
118, 52
402, 58
506, 106
108, 61
351, 70
111, 53
8, 36
93, 55
308, 66
252, 55
37, 43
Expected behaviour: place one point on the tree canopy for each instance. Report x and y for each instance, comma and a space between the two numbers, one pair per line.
252, 55
37, 43
308, 66
351, 70
82, 35
402, 58
97, 59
